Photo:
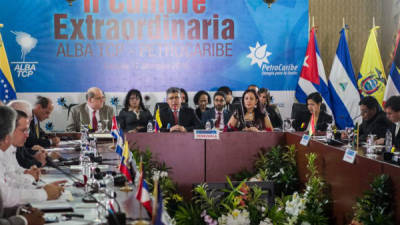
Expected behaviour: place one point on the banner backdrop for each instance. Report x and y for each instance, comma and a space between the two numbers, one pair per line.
70, 45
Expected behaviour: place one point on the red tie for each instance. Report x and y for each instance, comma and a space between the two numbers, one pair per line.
218, 120
176, 116
94, 121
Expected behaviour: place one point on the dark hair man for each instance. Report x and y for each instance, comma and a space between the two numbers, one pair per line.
228, 97
41, 111
392, 109
176, 118
217, 115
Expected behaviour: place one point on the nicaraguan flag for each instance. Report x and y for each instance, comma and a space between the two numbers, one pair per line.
7, 88
343, 86
393, 82
312, 77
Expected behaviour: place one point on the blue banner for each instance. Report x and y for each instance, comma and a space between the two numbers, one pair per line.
70, 45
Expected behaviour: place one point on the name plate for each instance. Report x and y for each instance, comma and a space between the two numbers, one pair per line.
349, 156
206, 134
305, 139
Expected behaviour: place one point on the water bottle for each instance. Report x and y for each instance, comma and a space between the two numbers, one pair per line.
149, 127
329, 133
109, 184
208, 125
388, 141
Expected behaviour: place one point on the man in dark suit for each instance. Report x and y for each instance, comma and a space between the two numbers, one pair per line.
392, 109
374, 119
228, 97
176, 118
41, 111
218, 116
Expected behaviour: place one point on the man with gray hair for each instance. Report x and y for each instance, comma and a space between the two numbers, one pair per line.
91, 113
176, 118
8, 215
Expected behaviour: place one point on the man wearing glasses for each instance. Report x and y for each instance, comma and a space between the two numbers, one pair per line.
176, 118
91, 113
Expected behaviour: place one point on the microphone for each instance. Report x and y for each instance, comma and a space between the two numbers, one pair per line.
50, 163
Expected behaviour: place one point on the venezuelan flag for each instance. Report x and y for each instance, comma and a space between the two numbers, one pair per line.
158, 123
372, 78
123, 167
7, 88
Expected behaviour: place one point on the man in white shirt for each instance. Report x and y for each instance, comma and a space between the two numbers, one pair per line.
93, 112
16, 189
8, 215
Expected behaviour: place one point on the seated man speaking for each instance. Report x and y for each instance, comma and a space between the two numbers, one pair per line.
175, 118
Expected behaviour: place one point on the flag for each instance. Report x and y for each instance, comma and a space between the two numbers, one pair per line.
114, 128
158, 123
120, 142
393, 82
7, 88
160, 216
312, 76
343, 86
123, 167
371, 80
143, 194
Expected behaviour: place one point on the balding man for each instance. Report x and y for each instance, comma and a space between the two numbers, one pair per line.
41, 111
92, 112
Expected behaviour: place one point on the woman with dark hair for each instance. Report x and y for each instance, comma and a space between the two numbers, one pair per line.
321, 118
267, 107
184, 97
201, 100
251, 119
134, 117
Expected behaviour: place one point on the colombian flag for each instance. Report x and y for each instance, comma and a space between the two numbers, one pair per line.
7, 88
372, 78
123, 167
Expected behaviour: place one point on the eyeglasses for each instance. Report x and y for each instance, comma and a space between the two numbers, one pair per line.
100, 98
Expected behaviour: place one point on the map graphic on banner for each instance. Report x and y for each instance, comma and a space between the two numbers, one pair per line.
70, 45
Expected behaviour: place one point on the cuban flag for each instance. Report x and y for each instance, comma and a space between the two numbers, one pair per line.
143, 194
312, 76
393, 82
343, 86
114, 128
120, 142
7, 88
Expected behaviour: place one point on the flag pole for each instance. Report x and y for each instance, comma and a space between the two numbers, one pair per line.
155, 201
344, 27
313, 24
373, 22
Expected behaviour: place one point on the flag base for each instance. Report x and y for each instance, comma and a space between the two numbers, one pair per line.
126, 188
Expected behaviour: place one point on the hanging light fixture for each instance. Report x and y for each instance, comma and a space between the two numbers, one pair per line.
269, 2
70, 2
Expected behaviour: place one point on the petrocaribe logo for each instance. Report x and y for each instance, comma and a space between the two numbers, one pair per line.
27, 43
259, 54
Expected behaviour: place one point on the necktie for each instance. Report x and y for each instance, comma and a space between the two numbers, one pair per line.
37, 130
218, 121
94, 121
176, 116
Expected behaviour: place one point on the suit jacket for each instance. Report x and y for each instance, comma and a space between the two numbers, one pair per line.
322, 124
199, 113
377, 125
33, 139
128, 120
80, 115
8, 215
395, 138
210, 114
186, 118
25, 158
274, 115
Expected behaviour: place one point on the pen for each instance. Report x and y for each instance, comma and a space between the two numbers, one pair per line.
24, 210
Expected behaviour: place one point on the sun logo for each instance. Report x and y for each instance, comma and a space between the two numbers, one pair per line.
259, 54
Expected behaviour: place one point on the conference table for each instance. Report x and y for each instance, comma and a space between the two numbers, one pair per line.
194, 161
72, 196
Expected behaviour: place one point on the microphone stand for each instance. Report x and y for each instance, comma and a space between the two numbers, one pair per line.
73, 177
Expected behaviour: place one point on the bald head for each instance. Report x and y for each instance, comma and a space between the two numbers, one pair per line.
23, 106
95, 98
